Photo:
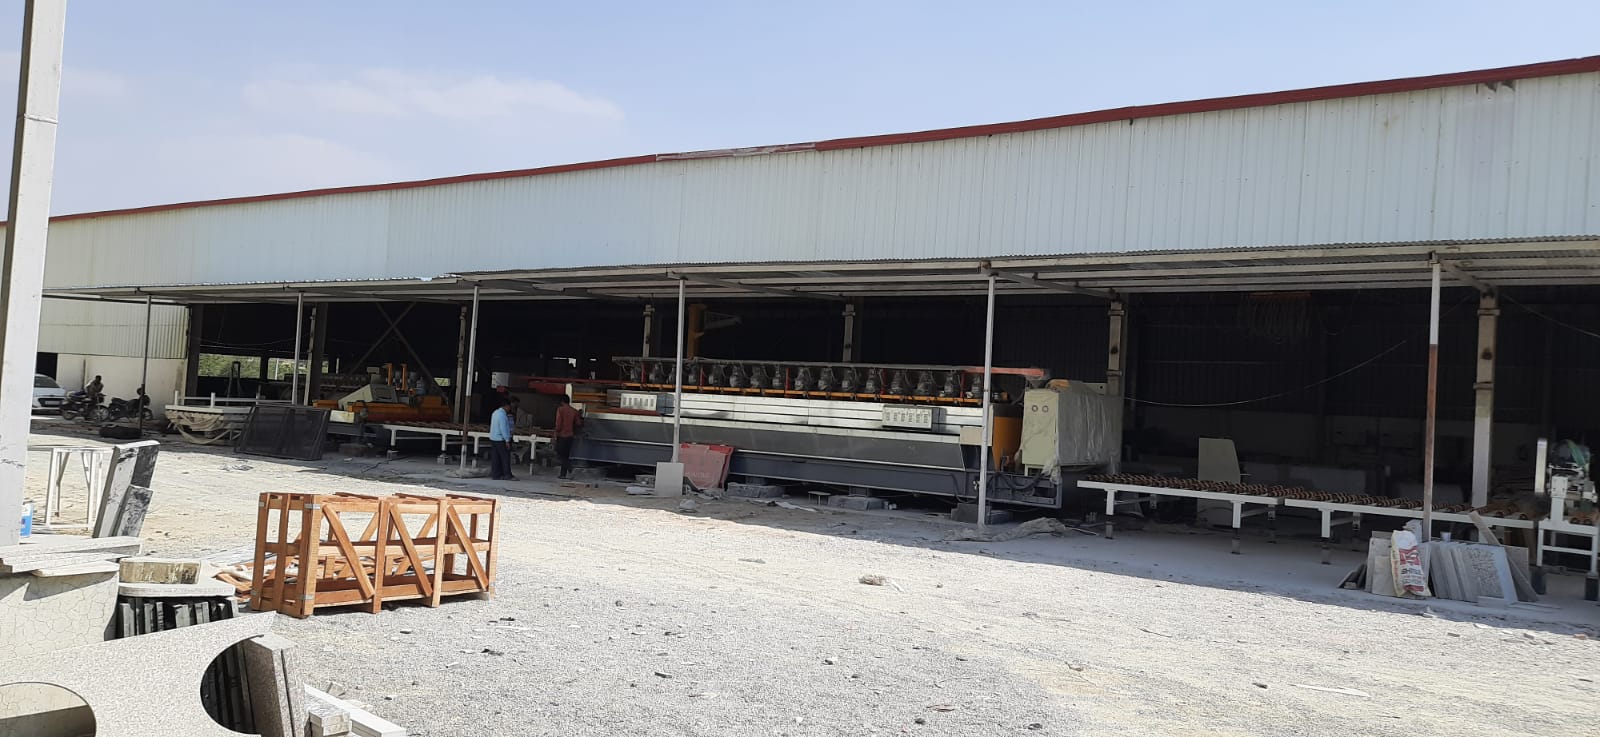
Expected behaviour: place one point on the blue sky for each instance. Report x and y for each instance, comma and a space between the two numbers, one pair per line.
170, 100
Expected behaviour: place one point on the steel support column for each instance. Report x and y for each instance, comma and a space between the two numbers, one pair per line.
299, 337
319, 347
460, 410
649, 329
848, 354
1116, 372
191, 368
144, 368
22, 269
988, 422
1483, 404
677, 377
1432, 423
472, 355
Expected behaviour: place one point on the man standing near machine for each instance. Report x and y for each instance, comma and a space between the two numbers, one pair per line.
502, 423
568, 421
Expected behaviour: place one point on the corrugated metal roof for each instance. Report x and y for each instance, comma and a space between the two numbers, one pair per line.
1496, 162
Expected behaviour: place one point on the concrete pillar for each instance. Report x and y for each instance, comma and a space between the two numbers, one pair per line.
191, 369
319, 348
1116, 373
848, 354
22, 271
1483, 390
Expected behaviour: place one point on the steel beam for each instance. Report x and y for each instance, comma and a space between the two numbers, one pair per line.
472, 356
1465, 276
1432, 421
677, 376
726, 284
988, 421
1052, 286
22, 268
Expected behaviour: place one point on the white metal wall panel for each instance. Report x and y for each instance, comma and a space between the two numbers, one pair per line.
91, 329
1468, 162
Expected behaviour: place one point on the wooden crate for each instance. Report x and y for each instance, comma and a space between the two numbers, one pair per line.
409, 547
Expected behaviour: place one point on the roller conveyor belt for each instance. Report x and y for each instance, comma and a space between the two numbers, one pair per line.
1297, 493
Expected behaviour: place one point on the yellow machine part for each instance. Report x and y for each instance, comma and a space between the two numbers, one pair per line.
1007, 439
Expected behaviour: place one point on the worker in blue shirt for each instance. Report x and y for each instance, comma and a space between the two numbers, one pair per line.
501, 424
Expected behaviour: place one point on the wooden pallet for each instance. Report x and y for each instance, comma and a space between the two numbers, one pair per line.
409, 547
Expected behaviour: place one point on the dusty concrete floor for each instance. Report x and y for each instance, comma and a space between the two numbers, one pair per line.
616, 615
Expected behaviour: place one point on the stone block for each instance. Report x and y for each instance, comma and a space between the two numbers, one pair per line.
326, 720
160, 570
968, 513
857, 502
274, 681
755, 491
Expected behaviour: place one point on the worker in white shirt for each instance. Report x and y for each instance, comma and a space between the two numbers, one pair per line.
501, 425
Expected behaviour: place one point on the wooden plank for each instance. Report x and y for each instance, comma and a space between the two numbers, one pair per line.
336, 529
415, 558
438, 553
473, 564
258, 570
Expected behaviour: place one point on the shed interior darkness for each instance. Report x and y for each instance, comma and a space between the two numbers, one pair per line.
1251, 367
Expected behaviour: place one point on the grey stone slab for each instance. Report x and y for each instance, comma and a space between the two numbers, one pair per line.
1486, 568
276, 698
40, 615
211, 588
166, 666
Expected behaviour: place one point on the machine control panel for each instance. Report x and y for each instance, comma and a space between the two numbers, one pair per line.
899, 415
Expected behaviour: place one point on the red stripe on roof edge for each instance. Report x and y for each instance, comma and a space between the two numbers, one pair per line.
1215, 104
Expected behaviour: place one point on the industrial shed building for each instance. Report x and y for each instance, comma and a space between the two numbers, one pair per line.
1261, 263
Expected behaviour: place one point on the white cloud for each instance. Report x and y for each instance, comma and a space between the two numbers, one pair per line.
395, 93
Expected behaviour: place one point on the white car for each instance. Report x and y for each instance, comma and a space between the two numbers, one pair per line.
47, 394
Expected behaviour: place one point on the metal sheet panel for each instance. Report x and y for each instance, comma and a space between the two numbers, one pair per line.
1505, 161
112, 329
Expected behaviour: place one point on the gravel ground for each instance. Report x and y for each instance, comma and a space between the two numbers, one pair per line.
619, 616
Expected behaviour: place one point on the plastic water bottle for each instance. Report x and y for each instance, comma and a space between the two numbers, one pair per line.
27, 519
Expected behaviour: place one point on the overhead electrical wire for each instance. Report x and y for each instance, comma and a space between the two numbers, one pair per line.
1536, 313
1279, 395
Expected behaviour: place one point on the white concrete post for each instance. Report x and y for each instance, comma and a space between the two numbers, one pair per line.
677, 379
988, 422
22, 269
1483, 404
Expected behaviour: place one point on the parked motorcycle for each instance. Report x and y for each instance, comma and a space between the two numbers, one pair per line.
120, 408
78, 404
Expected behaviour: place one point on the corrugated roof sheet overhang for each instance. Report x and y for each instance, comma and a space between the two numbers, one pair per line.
1568, 260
